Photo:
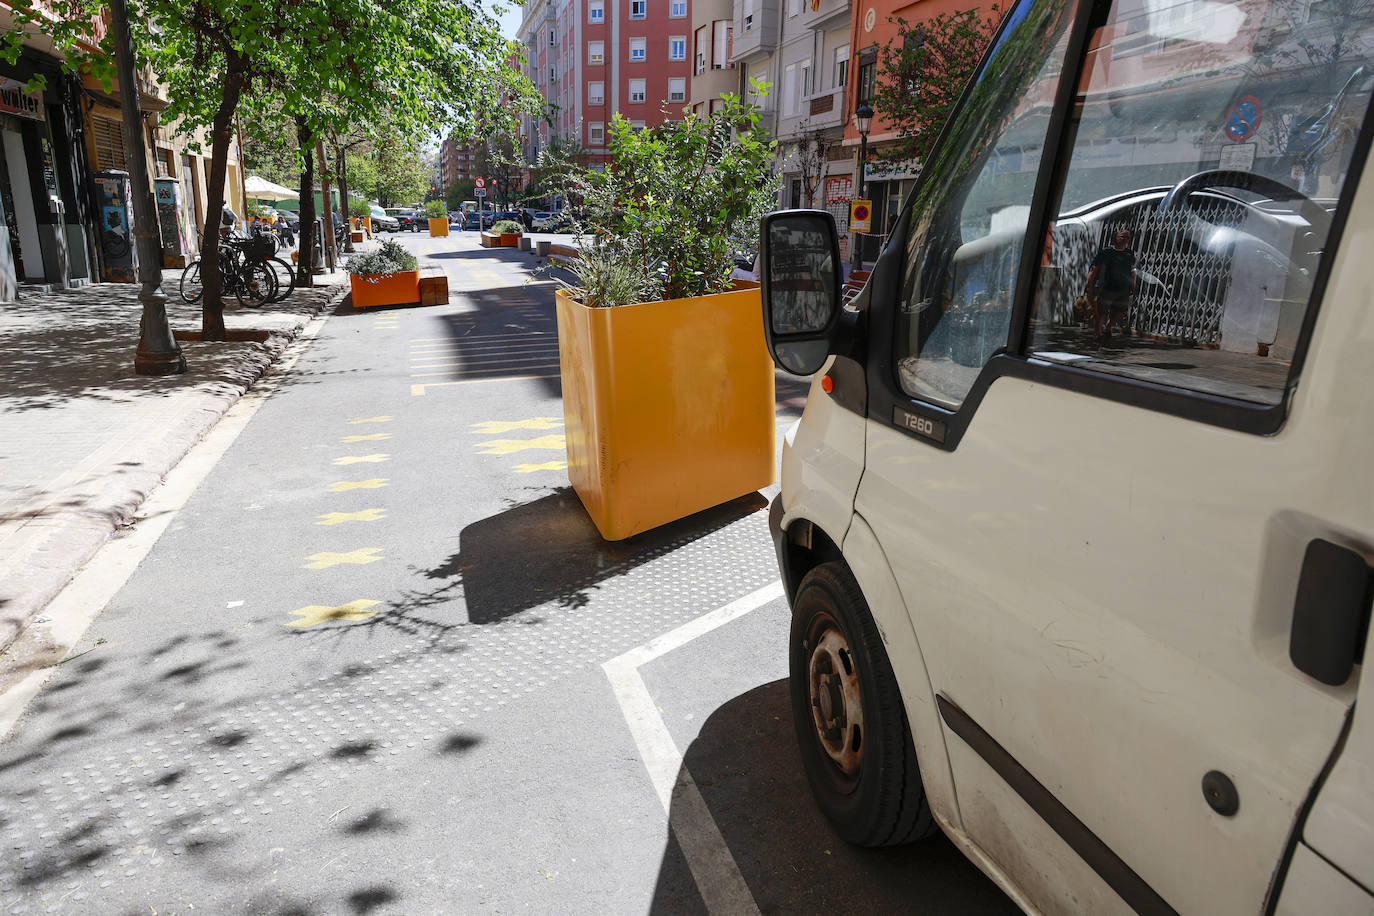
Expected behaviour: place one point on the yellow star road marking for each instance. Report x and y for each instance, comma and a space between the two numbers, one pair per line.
357, 420
338, 518
372, 484
357, 558
318, 613
362, 459
509, 446
546, 466
496, 427
370, 437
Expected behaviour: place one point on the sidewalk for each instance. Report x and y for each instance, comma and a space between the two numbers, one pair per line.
83, 440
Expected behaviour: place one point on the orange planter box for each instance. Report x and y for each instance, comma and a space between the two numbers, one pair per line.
385, 289
667, 407
438, 227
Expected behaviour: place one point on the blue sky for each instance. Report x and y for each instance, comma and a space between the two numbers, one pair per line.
508, 14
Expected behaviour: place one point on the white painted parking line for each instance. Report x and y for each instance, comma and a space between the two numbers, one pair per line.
718, 878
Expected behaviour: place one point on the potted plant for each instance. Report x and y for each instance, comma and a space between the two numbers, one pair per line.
668, 396
504, 233
438, 218
389, 275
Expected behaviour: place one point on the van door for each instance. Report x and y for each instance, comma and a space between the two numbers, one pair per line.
1088, 460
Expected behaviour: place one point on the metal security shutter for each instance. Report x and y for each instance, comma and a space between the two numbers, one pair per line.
109, 143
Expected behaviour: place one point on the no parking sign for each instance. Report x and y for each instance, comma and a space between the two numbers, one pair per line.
861, 216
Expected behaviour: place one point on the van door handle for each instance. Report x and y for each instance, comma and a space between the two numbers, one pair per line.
1331, 612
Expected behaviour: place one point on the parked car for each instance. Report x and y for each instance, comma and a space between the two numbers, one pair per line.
406, 219
540, 219
383, 221
478, 220
1077, 564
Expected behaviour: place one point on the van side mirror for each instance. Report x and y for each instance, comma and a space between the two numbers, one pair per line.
800, 278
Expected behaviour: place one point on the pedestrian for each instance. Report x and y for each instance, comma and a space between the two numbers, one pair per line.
527, 219
1111, 284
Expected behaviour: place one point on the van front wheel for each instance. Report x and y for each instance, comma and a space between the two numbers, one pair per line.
855, 743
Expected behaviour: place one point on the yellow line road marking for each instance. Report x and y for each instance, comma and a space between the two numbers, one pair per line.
511, 446
356, 558
318, 613
495, 427
368, 438
493, 369
338, 518
373, 484
546, 466
362, 459
417, 389
357, 420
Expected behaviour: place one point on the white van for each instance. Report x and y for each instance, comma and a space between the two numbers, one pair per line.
1077, 524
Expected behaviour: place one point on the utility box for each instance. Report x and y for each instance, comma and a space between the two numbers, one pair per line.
118, 252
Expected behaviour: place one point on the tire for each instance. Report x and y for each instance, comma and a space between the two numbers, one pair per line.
855, 743
257, 285
191, 286
285, 277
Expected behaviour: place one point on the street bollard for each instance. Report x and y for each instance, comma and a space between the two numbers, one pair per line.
541, 248
525, 243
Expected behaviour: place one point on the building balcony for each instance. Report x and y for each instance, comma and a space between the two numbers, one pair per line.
822, 14
756, 32
825, 109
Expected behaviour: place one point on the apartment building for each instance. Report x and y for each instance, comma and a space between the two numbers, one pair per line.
457, 161
711, 41
592, 59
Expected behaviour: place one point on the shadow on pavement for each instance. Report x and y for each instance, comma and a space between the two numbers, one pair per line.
503, 572
745, 763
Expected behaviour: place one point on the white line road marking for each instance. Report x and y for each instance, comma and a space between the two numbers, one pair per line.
95, 585
717, 876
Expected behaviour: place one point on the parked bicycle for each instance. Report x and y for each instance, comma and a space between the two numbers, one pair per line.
248, 270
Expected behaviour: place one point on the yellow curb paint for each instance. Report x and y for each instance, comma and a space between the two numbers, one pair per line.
357, 420
511, 446
372, 437
362, 459
316, 614
496, 427
338, 518
355, 557
373, 484
546, 466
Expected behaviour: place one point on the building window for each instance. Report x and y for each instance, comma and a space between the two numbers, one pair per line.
552, 42
596, 93
841, 78
636, 90
750, 8
868, 75
805, 84
789, 89
638, 48
677, 47
677, 9
794, 7
677, 89
703, 45
596, 52
596, 11
637, 125
720, 44
596, 134
638, 9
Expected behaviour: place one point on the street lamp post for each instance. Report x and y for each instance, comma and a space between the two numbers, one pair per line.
158, 352
863, 120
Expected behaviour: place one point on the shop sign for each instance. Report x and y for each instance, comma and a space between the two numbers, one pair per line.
15, 101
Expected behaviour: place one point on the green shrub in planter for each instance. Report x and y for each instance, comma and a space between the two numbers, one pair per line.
391, 258
358, 207
507, 226
435, 210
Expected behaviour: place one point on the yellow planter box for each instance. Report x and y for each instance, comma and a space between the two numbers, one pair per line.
438, 227
385, 289
667, 406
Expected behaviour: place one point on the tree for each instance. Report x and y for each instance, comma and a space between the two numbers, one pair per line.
810, 152
459, 191
503, 163
921, 75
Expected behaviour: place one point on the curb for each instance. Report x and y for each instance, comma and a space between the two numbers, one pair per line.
53, 546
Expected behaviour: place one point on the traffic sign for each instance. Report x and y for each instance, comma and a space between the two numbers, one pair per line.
479, 192
861, 216
479, 182
1243, 118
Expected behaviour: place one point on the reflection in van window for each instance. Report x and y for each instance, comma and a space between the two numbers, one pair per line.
968, 218
1217, 137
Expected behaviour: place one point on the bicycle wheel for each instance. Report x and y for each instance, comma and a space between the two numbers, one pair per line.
256, 284
286, 278
191, 286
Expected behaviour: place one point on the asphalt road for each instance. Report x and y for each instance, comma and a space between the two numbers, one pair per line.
381, 662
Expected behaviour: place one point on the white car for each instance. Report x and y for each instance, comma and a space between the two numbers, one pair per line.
383, 222
540, 219
1077, 524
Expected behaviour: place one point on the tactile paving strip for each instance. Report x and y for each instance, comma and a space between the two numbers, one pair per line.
83, 825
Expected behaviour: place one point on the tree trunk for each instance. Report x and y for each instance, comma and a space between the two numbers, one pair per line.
343, 196
331, 252
305, 269
212, 313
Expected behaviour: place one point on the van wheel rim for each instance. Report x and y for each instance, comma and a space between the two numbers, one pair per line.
836, 703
